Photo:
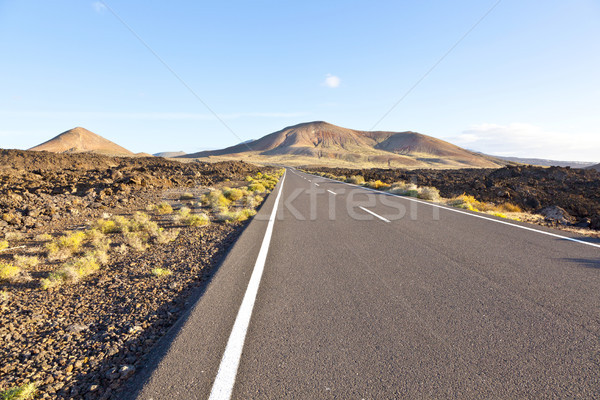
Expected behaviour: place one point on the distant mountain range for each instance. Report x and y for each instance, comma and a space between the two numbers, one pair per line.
323, 143
547, 163
320, 143
170, 154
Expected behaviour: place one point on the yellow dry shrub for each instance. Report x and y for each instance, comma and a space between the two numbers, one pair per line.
377, 185
233, 194
8, 272
164, 208
161, 272
215, 199
26, 261
236, 216
356, 180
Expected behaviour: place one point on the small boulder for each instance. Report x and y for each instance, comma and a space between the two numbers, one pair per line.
557, 214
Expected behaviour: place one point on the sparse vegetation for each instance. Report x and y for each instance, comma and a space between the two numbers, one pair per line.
356, 180
14, 236
3, 245
429, 193
8, 272
167, 236
215, 200
236, 216
377, 185
136, 240
196, 220
161, 272
23, 392
65, 246
44, 237
53, 280
257, 187
164, 208
233, 194
508, 207
25, 261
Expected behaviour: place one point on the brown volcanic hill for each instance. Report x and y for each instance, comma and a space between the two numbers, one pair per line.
320, 142
80, 140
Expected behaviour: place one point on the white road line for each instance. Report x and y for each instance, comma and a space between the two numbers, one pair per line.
333, 193
316, 184
309, 180
225, 380
372, 213
471, 215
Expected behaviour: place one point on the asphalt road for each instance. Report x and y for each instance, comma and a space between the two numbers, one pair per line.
357, 303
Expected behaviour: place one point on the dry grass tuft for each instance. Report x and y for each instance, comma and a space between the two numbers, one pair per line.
429, 193
44, 237
9, 272
236, 216
65, 246
377, 185
356, 180
215, 200
164, 208
23, 392
233, 194
136, 240
165, 237
26, 261
161, 272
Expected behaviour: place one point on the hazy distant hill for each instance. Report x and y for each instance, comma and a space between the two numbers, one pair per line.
547, 163
170, 154
80, 140
596, 167
323, 143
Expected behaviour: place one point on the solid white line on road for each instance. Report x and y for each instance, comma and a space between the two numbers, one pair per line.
471, 215
333, 193
225, 380
372, 213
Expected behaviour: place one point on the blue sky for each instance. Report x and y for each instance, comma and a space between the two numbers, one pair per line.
524, 82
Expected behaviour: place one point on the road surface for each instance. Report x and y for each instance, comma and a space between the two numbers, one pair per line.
354, 302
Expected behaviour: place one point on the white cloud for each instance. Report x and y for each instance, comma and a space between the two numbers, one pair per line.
526, 140
99, 6
332, 81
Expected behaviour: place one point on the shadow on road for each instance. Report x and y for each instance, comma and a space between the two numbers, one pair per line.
585, 262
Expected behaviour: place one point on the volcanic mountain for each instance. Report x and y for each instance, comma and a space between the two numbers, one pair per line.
80, 140
321, 143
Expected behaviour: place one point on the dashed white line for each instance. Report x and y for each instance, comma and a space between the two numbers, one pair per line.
225, 380
470, 215
372, 213
316, 184
333, 193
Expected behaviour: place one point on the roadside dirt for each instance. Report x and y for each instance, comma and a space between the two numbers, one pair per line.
83, 340
532, 188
